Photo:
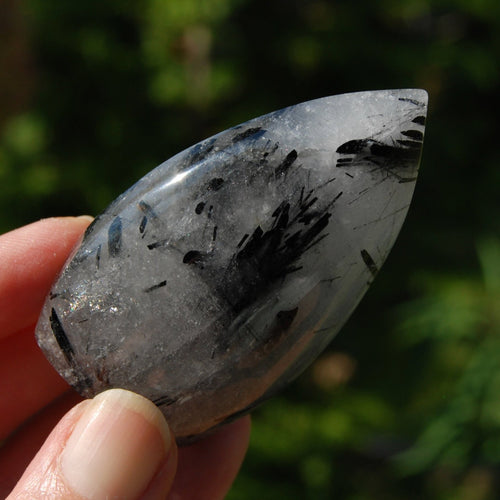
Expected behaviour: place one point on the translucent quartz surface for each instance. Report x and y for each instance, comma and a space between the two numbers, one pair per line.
220, 275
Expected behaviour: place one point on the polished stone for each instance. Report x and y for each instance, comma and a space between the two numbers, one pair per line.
220, 275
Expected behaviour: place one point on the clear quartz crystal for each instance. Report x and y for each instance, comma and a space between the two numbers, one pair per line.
219, 276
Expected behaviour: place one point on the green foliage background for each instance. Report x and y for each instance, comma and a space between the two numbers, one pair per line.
405, 404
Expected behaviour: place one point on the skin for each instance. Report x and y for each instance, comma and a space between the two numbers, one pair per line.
38, 410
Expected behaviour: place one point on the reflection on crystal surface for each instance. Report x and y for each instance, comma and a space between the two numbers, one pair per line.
220, 275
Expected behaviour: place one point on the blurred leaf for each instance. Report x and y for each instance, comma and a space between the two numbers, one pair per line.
489, 257
39, 180
24, 135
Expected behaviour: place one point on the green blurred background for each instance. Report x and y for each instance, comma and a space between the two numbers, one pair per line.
405, 404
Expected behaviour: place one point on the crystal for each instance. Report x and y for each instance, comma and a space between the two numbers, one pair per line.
219, 276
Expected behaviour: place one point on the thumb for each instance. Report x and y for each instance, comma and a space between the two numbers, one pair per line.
117, 445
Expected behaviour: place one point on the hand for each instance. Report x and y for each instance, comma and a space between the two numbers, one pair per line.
117, 445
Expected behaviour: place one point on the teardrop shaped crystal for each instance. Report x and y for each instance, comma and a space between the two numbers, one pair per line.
220, 275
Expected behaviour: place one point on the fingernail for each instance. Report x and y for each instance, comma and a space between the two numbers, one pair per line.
88, 218
116, 448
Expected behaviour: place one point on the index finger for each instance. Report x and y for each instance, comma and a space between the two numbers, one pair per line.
30, 259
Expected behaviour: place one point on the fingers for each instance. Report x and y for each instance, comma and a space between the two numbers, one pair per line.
117, 445
30, 259
208, 466
213, 461
27, 381
18, 451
